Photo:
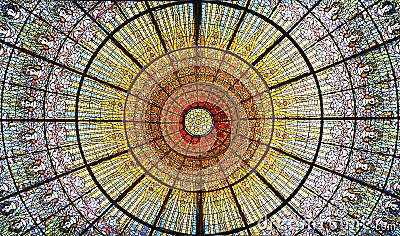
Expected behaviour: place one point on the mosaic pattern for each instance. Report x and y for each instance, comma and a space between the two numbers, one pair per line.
315, 81
156, 119
198, 121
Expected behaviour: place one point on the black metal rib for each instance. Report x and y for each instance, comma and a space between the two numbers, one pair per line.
116, 42
337, 173
68, 120
120, 9
200, 214
268, 50
328, 201
90, 171
354, 111
240, 210
269, 185
32, 13
153, 104
127, 53
274, 9
279, 40
71, 203
133, 185
335, 118
397, 108
91, 60
197, 11
8, 163
44, 95
340, 25
302, 217
33, 88
44, 150
375, 47
125, 227
26, 51
157, 28
238, 24
355, 88
164, 204
62, 175
361, 150
36, 120
107, 83
89, 226
279, 195
118, 199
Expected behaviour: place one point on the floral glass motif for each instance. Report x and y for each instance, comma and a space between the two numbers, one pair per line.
198, 122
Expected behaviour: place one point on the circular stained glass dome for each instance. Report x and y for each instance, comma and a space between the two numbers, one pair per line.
248, 117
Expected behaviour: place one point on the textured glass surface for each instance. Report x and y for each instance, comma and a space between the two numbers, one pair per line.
300, 129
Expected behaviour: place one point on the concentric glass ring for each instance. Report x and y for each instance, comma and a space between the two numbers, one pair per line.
161, 130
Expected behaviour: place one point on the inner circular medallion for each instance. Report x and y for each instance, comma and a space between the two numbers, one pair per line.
198, 122
198, 119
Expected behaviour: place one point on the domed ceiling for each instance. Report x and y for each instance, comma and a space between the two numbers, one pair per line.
248, 117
